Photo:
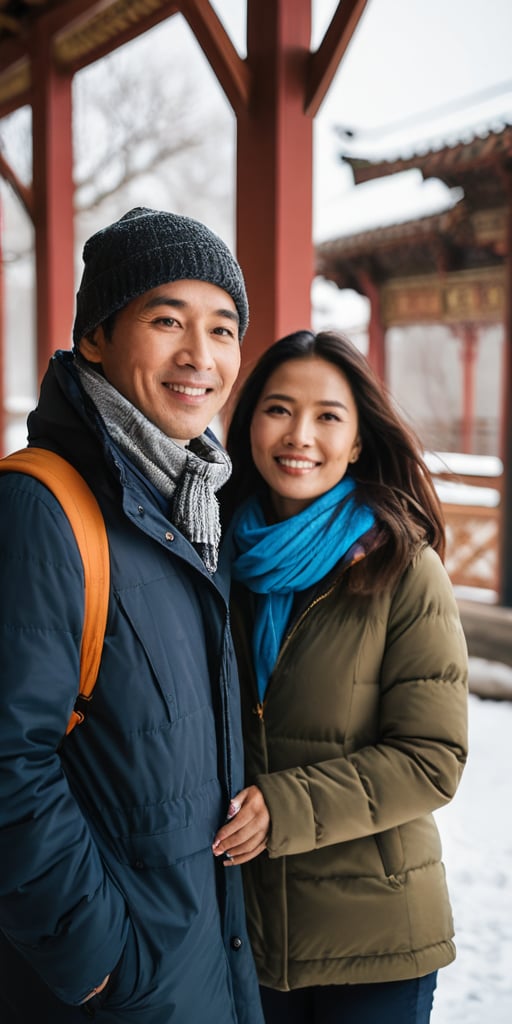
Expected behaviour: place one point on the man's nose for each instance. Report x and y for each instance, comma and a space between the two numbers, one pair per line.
196, 349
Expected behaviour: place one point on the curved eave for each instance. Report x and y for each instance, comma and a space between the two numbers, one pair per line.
418, 231
444, 162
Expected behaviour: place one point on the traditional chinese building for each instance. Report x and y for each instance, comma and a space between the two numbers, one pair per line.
451, 271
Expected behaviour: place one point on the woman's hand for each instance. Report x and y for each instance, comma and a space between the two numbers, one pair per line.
245, 833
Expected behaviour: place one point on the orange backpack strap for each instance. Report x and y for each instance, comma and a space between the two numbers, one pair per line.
86, 521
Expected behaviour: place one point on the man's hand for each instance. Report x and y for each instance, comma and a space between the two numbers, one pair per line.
245, 833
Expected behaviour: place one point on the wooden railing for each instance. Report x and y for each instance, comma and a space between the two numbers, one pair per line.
470, 488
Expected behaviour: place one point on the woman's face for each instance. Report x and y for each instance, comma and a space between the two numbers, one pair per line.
304, 432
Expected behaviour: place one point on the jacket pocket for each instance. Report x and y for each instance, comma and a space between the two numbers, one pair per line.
389, 846
125, 982
160, 834
168, 627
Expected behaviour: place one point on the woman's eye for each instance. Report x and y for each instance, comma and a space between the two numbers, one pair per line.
331, 417
276, 410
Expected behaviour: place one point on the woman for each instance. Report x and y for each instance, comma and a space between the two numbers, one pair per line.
353, 670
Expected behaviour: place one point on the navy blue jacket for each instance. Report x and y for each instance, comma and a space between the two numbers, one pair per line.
105, 836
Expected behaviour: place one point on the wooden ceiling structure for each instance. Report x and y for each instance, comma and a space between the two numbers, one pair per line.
454, 267
275, 91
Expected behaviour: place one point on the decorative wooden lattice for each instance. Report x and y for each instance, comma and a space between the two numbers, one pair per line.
473, 542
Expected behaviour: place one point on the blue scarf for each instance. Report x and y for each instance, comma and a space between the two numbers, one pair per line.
294, 554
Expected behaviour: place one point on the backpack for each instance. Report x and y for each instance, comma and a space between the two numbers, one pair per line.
86, 521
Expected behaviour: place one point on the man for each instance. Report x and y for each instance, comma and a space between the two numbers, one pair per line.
111, 902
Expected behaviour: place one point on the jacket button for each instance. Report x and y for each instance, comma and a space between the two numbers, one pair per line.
140, 509
139, 864
236, 942
169, 535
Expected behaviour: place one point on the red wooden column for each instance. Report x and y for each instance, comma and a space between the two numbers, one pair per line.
275, 94
376, 330
274, 174
468, 334
52, 199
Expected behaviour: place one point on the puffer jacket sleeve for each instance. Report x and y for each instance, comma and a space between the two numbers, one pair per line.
57, 904
416, 762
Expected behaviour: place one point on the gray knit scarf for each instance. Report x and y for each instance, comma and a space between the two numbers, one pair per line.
188, 477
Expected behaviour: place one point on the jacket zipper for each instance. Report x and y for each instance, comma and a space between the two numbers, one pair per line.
259, 708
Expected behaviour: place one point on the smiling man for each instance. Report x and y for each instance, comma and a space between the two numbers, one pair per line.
111, 902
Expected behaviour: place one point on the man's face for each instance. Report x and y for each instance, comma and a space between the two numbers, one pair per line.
174, 354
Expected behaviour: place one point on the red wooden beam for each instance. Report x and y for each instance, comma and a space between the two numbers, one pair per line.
274, 177
232, 72
12, 51
324, 63
53, 200
14, 103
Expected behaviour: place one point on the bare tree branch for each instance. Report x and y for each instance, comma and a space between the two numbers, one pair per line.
141, 116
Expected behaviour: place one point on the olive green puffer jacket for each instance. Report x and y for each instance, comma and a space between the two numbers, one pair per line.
362, 735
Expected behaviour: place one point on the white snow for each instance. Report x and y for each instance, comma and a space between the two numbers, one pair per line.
452, 493
476, 829
462, 464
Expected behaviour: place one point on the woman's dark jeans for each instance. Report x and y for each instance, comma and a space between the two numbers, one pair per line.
391, 1002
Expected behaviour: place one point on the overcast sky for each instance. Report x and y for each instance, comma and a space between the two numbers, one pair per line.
434, 70
417, 72
429, 67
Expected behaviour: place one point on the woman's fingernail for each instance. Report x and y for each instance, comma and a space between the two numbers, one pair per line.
233, 809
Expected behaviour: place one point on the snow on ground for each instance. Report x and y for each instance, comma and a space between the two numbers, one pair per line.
476, 829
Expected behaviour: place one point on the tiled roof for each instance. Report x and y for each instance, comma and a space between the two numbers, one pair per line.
448, 162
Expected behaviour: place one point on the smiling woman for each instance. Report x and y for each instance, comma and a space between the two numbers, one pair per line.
304, 432
353, 671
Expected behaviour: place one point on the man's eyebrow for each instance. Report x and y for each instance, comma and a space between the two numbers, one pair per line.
288, 398
168, 300
229, 314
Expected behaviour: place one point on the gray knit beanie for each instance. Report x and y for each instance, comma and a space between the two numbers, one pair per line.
144, 249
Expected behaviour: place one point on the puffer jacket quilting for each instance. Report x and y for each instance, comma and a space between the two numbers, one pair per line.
106, 837
363, 735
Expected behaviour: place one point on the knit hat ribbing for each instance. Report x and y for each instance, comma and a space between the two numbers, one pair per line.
147, 248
